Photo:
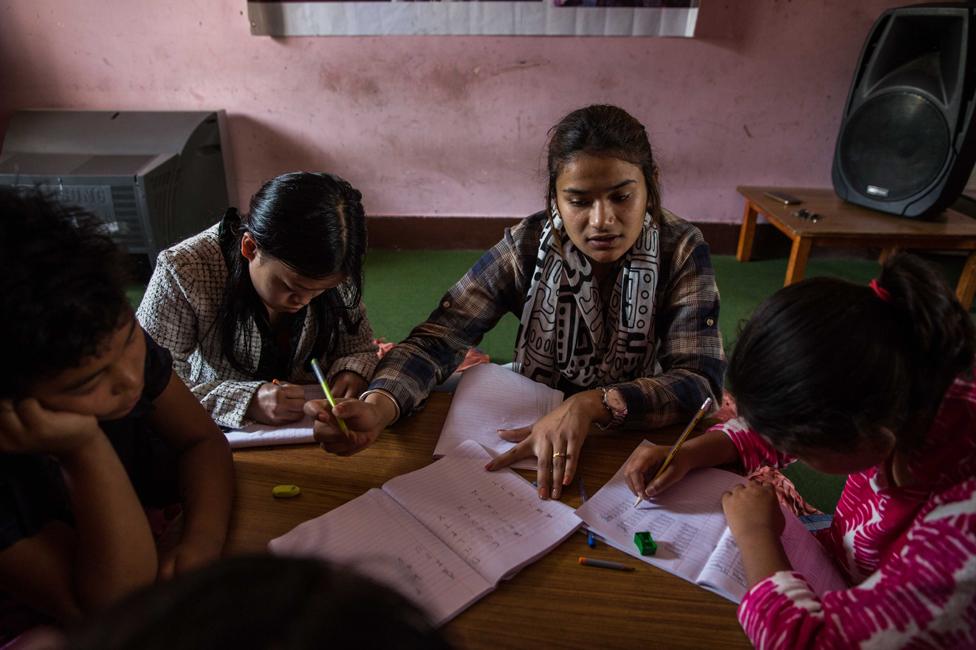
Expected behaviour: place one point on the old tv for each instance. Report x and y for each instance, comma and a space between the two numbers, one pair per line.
154, 177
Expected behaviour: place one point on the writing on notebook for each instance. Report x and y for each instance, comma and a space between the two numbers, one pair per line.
694, 541
459, 531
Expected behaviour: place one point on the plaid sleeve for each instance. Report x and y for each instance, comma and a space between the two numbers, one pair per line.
466, 312
690, 345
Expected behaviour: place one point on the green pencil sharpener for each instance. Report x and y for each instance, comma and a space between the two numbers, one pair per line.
645, 543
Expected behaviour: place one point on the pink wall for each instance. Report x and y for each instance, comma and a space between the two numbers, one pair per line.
456, 125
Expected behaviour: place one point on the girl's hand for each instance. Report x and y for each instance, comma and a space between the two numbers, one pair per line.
26, 427
643, 464
556, 440
348, 384
756, 521
753, 510
277, 404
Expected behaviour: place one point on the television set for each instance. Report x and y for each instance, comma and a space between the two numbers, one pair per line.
153, 177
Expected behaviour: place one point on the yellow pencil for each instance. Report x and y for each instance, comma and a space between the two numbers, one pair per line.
328, 393
677, 445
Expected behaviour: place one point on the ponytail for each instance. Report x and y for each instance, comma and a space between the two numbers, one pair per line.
939, 335
826, 364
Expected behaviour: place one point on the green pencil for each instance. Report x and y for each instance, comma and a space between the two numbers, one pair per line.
328, 393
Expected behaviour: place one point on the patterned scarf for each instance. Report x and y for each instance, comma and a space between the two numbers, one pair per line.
565, 333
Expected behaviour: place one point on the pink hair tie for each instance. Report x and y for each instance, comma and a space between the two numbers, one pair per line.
879, 291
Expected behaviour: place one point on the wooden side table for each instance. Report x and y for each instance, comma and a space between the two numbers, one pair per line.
842, 224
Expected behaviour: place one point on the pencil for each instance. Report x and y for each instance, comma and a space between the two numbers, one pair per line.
328, 393
604, 564
677, 445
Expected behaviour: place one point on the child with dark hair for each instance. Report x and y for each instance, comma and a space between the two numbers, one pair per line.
256, 297
873, 382
263, 603
94, 426
617, 301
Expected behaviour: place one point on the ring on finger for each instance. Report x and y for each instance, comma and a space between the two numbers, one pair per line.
560, 454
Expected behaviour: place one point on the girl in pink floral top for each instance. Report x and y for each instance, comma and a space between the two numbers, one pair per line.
876, 383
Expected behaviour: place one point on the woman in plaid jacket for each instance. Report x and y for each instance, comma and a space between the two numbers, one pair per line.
616, 297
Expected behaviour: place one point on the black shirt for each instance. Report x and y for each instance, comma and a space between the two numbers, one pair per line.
32, 490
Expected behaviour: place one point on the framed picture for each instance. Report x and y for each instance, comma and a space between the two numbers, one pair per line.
477, 17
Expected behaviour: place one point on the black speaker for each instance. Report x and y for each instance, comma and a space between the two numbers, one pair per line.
907, 143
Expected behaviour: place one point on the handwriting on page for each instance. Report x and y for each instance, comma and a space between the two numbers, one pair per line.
727, 560
694, 542
491, 519
686, 521
474, 516
376, 536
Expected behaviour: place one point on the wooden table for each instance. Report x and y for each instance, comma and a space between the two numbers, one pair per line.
552, 603
844, 224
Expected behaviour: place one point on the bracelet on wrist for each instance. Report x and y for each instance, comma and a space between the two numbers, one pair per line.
617, 416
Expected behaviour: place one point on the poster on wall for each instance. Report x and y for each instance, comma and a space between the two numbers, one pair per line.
478, 17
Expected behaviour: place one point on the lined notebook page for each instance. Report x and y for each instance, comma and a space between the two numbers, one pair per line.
262, 435
488, 398
374, 535
694, 542
725, 574
686, 521
494, 520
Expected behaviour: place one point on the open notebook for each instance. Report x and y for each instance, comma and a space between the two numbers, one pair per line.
490, 397
692, 537
443, 536
261, 435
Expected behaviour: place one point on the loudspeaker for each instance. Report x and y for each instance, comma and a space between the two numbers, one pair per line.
907, 142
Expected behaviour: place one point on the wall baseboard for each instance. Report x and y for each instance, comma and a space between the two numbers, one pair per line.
454, 233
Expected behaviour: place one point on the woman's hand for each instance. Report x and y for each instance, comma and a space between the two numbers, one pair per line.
556, 440
643, 464
364, 421
27, 427
277, 404
348, 384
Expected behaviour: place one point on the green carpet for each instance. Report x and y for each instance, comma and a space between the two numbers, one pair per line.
403, 287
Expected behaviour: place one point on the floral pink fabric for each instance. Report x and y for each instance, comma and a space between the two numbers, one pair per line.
909, 554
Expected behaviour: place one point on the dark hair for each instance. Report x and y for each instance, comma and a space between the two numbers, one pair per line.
62, 287
261, 602
313, 223
824, 363
603, 131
